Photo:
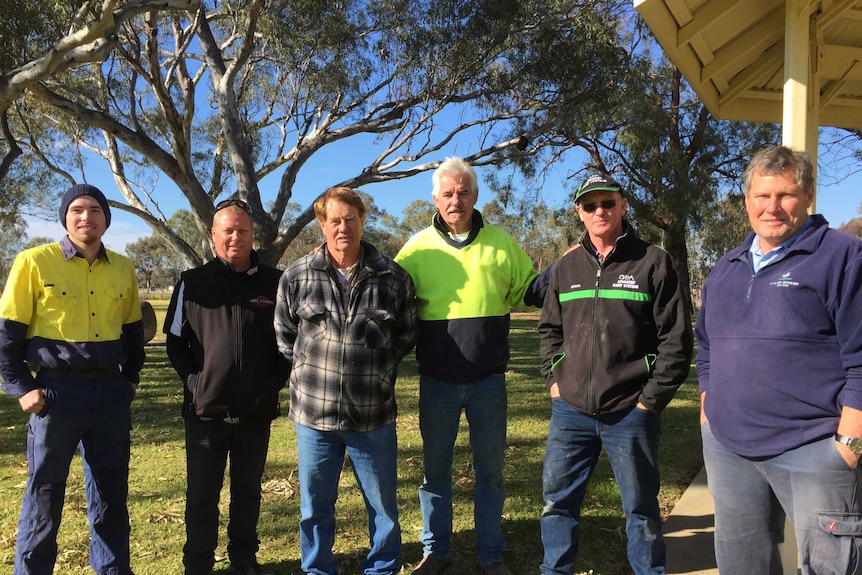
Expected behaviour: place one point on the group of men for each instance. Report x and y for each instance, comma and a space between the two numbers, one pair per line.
779, 361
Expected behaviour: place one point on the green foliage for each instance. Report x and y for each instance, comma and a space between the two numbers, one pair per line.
381, 229
304, 242
545, 234
31, 187
29, 28
185, 226
14, 233
250, 93
37, 241
157, 265
852, 227
417, 215
157, 480
724, 228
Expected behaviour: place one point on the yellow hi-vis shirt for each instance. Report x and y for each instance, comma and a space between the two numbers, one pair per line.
74, 312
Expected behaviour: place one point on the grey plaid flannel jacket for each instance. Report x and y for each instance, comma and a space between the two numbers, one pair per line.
345, 351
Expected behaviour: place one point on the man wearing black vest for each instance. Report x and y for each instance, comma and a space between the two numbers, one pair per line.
221, 341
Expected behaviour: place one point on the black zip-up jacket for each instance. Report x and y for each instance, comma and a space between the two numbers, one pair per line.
225, 351
616, 333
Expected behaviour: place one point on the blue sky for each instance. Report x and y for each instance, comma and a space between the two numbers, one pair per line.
838, 201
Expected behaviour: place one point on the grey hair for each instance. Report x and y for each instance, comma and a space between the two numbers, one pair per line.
454, 167
778, 160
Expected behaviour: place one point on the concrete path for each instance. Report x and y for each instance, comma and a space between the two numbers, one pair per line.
688, 532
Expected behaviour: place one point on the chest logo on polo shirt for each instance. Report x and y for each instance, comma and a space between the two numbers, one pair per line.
626, 281
786, 280
261, 301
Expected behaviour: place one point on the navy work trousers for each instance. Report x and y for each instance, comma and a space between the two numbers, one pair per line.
93, 415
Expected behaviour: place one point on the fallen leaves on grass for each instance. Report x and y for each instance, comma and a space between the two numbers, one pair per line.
165, 517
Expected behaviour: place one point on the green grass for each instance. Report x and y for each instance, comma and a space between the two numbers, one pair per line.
157, 484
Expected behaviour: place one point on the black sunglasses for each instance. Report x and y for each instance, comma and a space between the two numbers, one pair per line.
593, 206
233, 203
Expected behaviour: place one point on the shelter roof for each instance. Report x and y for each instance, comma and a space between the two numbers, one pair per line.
732, 54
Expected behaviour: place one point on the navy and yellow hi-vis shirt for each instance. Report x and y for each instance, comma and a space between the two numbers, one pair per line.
57, 311
464, 291
616, 333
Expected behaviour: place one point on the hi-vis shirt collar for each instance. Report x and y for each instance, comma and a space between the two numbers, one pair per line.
70, 251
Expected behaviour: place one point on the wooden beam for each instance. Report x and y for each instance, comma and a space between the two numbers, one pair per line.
764, 33
831, 14
680, 11
703, 17
770, 62
797, 78
836, 63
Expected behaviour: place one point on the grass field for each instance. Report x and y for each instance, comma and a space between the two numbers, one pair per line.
157, 484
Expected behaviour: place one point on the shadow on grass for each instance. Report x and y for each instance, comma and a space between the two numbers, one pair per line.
157, 480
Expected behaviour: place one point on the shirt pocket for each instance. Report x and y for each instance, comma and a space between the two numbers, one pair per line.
311, 329
312, 317
116, 302
64, 304
378, 328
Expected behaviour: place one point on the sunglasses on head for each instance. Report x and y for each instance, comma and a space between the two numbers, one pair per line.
233, 203
593, 206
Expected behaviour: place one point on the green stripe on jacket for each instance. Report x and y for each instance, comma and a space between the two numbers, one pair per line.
605, 294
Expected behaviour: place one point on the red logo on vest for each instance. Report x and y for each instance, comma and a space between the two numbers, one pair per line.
261, 301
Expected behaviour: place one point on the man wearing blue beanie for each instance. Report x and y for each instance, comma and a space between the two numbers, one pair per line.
79, 190
70, 311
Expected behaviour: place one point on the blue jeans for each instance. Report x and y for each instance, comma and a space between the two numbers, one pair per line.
373, 457
93, 416
575, 440
208, 444
812, 484
440, 405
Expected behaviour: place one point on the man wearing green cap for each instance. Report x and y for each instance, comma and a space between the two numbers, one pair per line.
616, 343
70, 311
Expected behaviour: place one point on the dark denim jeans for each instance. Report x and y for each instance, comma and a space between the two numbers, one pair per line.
208, 444
95, 417
440, 406
575, 441
374, 459
812, 484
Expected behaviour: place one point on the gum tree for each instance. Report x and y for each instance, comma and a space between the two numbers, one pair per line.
211, 99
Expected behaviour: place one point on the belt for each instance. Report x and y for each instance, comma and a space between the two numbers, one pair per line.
81, 374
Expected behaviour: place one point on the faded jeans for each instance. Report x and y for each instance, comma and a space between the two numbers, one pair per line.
373, 457
811, 484
440, 405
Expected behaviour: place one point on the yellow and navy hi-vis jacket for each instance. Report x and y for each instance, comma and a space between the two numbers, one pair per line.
57, 311
464, 291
